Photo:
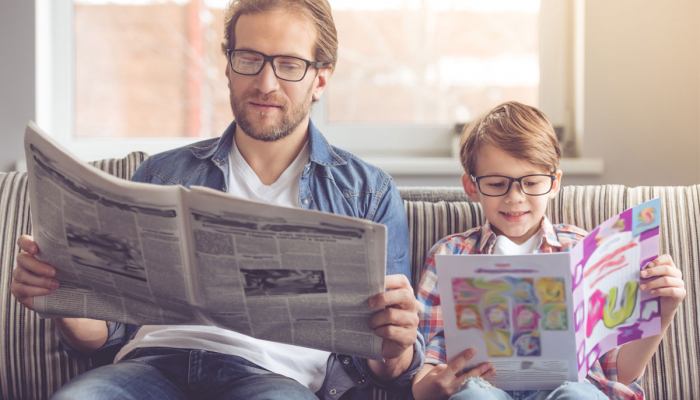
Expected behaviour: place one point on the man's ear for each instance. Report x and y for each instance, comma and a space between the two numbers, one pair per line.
556, 186
470, 187
320, 83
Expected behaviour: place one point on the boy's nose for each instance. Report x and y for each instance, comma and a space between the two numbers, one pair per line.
515, 193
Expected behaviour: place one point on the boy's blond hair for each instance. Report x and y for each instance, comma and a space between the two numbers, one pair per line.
522, 131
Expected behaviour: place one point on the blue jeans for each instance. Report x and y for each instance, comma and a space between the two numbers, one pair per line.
477, 388
165, 373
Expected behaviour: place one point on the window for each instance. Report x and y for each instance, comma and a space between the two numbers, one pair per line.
120, 75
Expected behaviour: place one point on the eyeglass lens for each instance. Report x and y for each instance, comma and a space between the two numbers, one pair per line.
531, 184
249, 63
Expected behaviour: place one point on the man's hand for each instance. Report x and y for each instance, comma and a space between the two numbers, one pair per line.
667, 284
397, 324
441, 381
31, 278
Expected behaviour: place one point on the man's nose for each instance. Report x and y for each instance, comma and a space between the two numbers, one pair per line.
266, 81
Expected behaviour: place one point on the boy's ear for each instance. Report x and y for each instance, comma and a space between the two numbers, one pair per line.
557, 185
470, 187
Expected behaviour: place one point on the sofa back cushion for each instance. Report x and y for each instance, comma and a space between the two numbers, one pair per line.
434, 213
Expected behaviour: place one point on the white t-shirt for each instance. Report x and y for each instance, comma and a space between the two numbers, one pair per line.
306, 366
506, 246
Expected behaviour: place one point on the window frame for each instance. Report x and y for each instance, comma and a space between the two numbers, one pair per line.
55, 96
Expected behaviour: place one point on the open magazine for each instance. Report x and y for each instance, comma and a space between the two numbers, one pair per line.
543, 319
165, 255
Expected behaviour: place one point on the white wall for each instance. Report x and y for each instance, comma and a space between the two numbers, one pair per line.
16, 77
642, 90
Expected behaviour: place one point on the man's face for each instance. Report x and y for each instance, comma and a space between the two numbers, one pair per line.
265, 107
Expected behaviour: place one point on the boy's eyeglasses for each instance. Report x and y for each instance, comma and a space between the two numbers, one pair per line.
287, 68
499, 185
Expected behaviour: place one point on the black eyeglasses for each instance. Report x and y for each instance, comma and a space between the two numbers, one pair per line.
499, 185
287, 68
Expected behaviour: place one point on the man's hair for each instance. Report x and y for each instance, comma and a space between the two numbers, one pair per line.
522, 131
315, 12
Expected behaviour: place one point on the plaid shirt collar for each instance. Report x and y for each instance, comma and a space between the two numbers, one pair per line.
548, 243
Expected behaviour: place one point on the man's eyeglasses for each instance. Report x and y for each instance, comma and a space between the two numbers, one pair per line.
531, 185
287, 68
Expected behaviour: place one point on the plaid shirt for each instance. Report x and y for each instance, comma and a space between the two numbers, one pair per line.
481, 240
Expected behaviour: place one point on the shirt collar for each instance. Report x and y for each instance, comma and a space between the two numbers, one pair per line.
321, 151
549, 237
488, 237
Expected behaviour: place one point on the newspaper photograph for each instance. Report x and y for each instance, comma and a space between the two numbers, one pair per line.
161, 255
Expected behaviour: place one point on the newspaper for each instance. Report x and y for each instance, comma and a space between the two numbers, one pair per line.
162, 255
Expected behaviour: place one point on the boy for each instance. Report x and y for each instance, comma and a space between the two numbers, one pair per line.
510, 157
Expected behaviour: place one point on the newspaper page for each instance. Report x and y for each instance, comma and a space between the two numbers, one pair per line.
117, 245
287, 275
164, 255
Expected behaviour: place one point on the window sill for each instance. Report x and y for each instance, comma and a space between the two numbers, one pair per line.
448, 166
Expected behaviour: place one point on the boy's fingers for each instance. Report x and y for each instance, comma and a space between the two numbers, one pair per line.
663, 282
664, 259
660, 260
675, 293
456, 366
661, 270
489, 374
481, 369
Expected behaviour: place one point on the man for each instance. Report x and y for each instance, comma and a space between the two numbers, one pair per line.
281, 54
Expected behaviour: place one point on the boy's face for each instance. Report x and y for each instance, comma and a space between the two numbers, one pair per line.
515, 215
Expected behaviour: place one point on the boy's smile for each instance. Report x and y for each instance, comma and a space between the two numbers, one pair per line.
515, 215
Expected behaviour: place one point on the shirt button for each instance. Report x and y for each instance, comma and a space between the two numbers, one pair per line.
223, 189
346, 361
361, 382
305, 201
333, 392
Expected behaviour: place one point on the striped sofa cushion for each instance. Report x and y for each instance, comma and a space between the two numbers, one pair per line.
673, 373
35, 366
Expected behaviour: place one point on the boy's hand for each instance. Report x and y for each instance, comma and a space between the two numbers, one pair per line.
667, 284
441, 381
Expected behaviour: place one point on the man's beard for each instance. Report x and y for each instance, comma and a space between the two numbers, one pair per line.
291, 116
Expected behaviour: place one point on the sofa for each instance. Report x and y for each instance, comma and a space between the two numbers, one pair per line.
35, 365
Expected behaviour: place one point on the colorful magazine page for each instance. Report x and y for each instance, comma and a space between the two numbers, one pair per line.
543, 319
609, 307
516, 311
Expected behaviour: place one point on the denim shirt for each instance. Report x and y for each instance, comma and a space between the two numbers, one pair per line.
333, 181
